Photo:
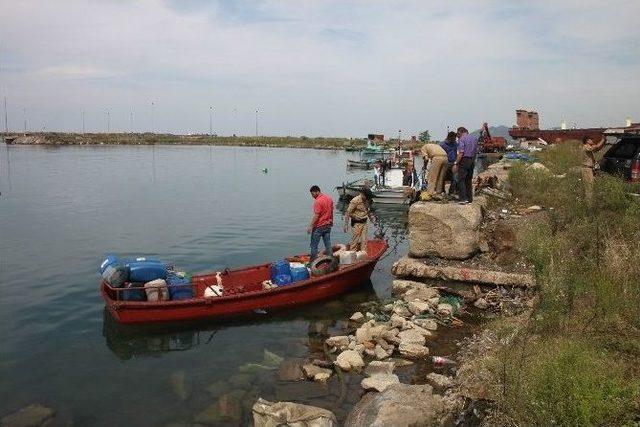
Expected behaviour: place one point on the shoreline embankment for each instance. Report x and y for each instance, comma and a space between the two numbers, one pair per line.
147, 138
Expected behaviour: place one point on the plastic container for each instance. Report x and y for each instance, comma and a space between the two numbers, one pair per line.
347, 257
279, 268
110, 260
179, 287
282, 280
213, 291
156, 290
134, 292
299, 273
145, 270
115, 275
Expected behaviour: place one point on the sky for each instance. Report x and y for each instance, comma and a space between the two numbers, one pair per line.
316, 68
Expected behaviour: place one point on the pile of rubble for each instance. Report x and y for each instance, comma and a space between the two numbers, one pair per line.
400, 328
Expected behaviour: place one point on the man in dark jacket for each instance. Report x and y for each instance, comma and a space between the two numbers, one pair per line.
451, 147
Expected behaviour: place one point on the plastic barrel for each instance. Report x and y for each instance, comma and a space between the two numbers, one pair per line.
110, 261
299, 273
146, 270
179, 287
280, 267
282, 279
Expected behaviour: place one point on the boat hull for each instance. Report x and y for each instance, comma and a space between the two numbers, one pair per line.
304, 292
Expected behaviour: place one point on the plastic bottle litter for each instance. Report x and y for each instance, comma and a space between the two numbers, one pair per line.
442, 361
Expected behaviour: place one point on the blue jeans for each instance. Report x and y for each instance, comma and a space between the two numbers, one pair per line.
324, 233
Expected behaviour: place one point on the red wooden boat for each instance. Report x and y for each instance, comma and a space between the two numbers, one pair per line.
243, 292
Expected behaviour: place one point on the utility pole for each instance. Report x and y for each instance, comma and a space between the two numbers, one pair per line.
108, 122
256, 122
83, 122
6, 120
131, 121
235, 119
153, 129
210, 121
24, 116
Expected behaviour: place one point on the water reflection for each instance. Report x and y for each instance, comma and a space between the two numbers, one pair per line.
153, 340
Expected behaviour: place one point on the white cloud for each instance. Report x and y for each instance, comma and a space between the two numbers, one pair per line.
318, 68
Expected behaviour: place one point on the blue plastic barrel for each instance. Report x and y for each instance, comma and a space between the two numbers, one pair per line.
280, 267
145, 270
110, 261
282, 279
179, 287
299, 273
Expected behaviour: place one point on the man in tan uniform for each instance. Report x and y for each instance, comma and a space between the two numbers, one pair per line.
437, 157
358, 214
589, 147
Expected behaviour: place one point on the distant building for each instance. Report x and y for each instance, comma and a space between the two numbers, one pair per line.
527, 120
375, 137
528, 128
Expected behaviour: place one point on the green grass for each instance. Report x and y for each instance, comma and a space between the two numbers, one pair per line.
576, 361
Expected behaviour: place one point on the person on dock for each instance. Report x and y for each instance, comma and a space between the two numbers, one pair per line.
409, 175
451, 147
321, 222
589, 147
465, 163
357, 215
377, 173
436, 157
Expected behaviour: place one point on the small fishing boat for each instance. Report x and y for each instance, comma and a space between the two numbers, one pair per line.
243, 292
358, 164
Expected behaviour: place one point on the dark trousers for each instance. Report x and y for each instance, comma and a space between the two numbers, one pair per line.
465, 178
453, 177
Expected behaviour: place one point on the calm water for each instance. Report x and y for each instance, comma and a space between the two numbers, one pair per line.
200, 208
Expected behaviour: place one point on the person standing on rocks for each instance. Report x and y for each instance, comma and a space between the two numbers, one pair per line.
465, 163
358, 215
321, 222
437, 158
451, 147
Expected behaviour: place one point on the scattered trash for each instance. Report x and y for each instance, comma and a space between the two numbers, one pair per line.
259, 311
442, 361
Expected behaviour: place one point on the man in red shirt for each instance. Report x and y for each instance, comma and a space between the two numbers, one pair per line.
321, 222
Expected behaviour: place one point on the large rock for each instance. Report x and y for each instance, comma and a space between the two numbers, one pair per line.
378, 367
268, 414
380, 382
428, 324
340, 342
349, 359
399, 405
411, 336
448, 231
413, 350
30, 416
439, 382
408, 267
291, 370
316, 373
226, 410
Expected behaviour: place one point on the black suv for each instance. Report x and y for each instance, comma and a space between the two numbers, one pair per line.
623, 159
